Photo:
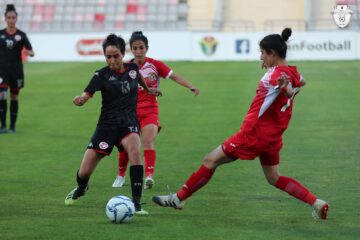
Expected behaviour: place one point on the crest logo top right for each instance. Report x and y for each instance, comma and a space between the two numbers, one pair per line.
342, 15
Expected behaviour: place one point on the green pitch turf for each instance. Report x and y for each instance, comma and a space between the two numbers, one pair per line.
321, 150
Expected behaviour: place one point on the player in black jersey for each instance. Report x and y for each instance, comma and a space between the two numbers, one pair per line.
118, 125
12, 41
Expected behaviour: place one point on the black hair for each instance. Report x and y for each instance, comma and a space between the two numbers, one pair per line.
113, 40
139, 36
10, 8
276, 43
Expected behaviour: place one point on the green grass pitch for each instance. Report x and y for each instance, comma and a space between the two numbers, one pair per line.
321, 150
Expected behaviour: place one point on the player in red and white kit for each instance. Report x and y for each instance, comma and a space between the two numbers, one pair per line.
260, 134
147, 107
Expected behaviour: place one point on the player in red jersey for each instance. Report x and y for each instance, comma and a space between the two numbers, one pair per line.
260, 134
147, 108
12, 41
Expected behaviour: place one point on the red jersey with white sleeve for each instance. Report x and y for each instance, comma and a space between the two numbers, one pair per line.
271, 110
152, 70
268, 117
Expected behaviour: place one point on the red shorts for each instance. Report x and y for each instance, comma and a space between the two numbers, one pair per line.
148, 115
146, 120
247, 147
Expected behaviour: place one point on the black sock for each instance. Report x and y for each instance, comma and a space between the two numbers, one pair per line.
82, 182
14, 108
136, 178
3, 109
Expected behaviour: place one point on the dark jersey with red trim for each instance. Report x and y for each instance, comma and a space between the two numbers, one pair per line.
119, 95
11, 46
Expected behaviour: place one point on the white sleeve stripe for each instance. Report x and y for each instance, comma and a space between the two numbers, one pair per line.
171, 72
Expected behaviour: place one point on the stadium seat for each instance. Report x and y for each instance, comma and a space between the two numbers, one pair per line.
68, 15
131, 8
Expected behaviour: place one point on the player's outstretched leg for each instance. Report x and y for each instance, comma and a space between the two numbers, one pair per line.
74, 195
320, 209
171, 200
77, 192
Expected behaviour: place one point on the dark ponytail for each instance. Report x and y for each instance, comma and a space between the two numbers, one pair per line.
113, 40
286, 33
276, 43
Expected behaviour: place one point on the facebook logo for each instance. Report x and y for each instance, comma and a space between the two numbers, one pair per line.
242, 46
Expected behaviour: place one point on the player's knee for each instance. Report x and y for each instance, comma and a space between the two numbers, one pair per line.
272, 179
148, 143
134, 155
210, 162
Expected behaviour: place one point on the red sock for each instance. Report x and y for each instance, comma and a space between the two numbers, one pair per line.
196, 181
294, 188
122, 163
149, 161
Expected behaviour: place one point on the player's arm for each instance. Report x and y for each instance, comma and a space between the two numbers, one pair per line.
29, 50
152, 91
183, 82
81, 100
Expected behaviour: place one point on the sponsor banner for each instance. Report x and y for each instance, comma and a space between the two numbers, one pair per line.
342, 45
88, 46
225, 46
196, 46
337, 45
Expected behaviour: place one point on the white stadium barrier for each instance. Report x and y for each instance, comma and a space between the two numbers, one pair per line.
200, 46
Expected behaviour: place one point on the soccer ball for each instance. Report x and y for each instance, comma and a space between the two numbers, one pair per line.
120, 209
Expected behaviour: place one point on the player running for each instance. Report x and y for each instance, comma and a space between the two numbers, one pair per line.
260, 134
118, 125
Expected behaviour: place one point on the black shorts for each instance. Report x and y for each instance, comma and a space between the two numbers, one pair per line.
12, 77
104, 139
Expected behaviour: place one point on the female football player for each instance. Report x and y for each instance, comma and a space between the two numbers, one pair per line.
260, 134
118, 125
12, 41
147, 108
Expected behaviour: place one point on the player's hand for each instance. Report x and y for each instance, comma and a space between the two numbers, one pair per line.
79, 101
195, 90
155, 91
282, 81
30, 53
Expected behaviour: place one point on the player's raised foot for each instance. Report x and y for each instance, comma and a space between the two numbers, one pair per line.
171, 200
320, 209
149, 182
139, 210
74, 195
119, 181
3, 130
